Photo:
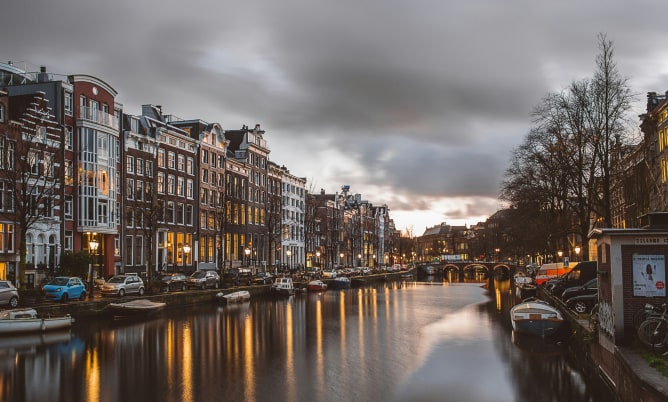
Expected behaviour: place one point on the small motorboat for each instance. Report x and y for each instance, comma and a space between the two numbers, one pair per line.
316, 286
26, 320
283, 286
135, 308
340, 282
239, 296
536, 317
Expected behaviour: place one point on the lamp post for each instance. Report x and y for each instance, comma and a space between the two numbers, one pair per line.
186, 251
359, 259
288, 253
317, 258
247, 252
577, 253
92, 245
341, 259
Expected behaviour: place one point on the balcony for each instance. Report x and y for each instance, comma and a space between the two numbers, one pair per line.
97, 116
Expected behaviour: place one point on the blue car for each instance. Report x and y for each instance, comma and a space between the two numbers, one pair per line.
64, 288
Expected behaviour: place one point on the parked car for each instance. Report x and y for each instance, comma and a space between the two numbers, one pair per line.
63, 288
582, 304
120, 285
237, 276
173, 281
263, 278
9, 295
588, 288
203, 279
582, 272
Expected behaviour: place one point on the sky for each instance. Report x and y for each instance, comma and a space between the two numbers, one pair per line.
414, 104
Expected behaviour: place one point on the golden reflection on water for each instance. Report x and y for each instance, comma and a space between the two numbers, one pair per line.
289, 354
92, 375
249, 361
187, 377
319, 356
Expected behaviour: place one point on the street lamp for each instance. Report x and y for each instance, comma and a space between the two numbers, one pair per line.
577, 253
288, 253
359, 257
92, 245
317, 258
186, 251
247, 251
341, 259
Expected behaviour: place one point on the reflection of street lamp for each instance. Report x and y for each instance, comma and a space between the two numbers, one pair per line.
247, 251
288, 252
186, 251
577, 253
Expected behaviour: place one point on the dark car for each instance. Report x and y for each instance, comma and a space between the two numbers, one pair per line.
237, 276
203, 279
263, 278
582, 304
581, 273
173, 281
588, 288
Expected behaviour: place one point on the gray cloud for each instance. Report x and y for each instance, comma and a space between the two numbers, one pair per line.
423, 98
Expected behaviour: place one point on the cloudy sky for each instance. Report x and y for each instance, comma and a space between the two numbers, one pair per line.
415, 104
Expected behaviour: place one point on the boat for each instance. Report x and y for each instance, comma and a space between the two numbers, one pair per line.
283, 286
316, 286
340, 282
135, 307
26, 320
239, 296
536, 317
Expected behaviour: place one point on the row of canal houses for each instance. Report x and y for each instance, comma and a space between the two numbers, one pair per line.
154, 192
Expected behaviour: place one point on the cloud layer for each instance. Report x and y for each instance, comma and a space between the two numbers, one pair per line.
414, 104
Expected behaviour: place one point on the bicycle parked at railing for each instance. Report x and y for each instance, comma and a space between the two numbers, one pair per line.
653, 332
644, 313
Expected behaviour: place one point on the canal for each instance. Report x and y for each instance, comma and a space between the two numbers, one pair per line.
394, 341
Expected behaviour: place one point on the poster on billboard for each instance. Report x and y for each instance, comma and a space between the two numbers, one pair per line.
649, 275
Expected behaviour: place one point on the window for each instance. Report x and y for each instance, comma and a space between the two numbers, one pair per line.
128, 250
161, 158
170, 184
161, 183
140, 190
171, 160
181, 163
189, 215
131, 189
140, 167
33, 166
190, 166
69, 103
190, 192
68, 206
179, 213
180, 189
169, 214
68, 137
2, 113
130, 164
149, 168
69, 240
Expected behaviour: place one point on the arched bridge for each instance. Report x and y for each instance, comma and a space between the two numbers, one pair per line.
463, 267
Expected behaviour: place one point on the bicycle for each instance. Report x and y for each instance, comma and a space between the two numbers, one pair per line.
653, 332
593, 318
644, 313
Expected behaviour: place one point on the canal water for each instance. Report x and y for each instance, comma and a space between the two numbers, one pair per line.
395, 341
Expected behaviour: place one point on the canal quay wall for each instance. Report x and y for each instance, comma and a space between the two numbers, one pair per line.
92, 309
625, 371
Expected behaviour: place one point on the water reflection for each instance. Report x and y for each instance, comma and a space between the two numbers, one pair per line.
402, 340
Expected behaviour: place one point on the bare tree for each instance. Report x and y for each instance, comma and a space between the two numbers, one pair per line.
29, 168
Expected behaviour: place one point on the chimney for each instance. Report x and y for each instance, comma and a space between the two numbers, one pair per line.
42, 76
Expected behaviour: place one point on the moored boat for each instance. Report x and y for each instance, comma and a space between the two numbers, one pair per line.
26, 320
283, 286
340, 282
239, 296
316, 286
536, 317
135, 307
